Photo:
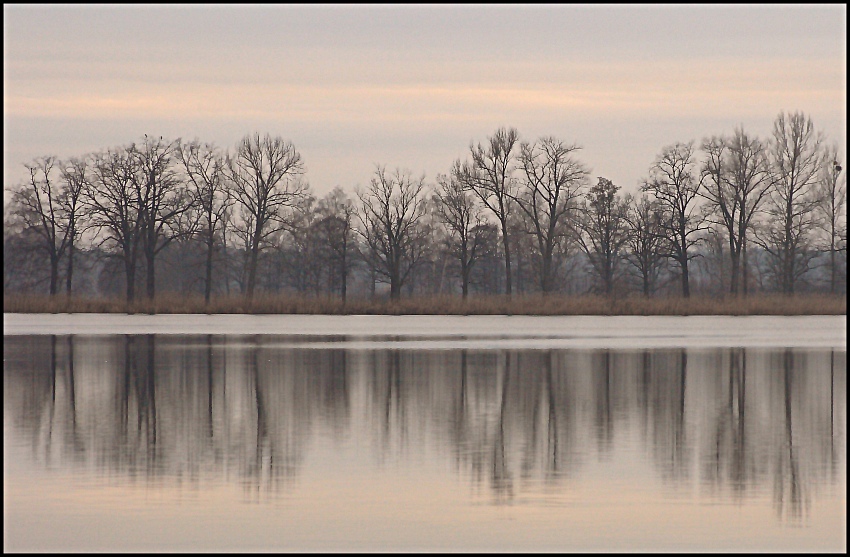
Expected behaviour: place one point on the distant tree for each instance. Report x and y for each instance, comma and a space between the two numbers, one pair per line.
486, 275
735, 179
210, 193
111, 203
305, 253
604, 231
265, 176
23, 263
162, 198
50, 208
390, 211
336, 213
646, 242
796, 157
832, 186
554, 179
490, 177
463, 218
713, 268
673, 184
75, 176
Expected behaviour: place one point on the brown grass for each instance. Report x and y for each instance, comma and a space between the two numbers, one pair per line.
762, 304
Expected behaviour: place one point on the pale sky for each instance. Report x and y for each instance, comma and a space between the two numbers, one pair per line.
412, 86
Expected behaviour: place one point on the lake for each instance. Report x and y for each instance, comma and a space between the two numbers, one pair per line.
414, 433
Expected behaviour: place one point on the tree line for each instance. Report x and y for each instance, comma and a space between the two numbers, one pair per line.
733, 213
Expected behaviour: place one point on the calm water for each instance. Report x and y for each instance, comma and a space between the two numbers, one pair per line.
263, 442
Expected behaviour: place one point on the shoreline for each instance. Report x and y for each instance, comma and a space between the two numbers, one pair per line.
452, 332
531, 305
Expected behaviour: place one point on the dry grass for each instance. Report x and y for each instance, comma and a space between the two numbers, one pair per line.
764, 304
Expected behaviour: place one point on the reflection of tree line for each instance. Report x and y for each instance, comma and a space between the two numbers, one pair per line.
199, 407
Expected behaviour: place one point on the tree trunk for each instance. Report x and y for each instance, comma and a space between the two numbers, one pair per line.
745, 279
464, 278
130, 274
208, 277
686, 289
832, 262
151, 274
507, 258
545, 279
252, 262
54, 274
70, 273
344, 275
395, 288
733, 286
252, 273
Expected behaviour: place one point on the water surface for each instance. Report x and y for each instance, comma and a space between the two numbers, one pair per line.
152, 442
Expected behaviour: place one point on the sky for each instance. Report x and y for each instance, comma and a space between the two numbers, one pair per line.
413, 86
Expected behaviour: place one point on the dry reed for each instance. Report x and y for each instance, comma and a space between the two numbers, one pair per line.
761, 304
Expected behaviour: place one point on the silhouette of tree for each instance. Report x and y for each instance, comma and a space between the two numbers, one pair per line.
265, 175
390, 211
672, 182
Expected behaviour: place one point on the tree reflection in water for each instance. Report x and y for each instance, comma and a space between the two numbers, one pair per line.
737, 422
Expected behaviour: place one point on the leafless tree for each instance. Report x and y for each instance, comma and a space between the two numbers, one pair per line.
265, 173
75, 176
336, 212
672, 182
456, 208
390, 211
604, 231
734, 180
833, 209
162, 198
111, 201
51, 208
210, 192
796, 160
526, 262
303, 253
646, 242
554, 179
23, 266
490, 177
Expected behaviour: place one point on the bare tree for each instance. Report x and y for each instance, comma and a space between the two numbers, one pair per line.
111, 201
604, 231
336, 212
162, 198
796, 162
75, 176
735, 179
646, 242
462, 216
51, 209
265, 174
205, 170
490, 177
304, 255
553, 185
672, 182
833, 209
23, 266
390, 210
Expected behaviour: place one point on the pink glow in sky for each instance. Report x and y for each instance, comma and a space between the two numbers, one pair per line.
412, 86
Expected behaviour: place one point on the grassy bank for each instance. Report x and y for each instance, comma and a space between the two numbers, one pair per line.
805, 304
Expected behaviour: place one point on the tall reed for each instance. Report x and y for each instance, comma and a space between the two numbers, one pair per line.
262, 303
